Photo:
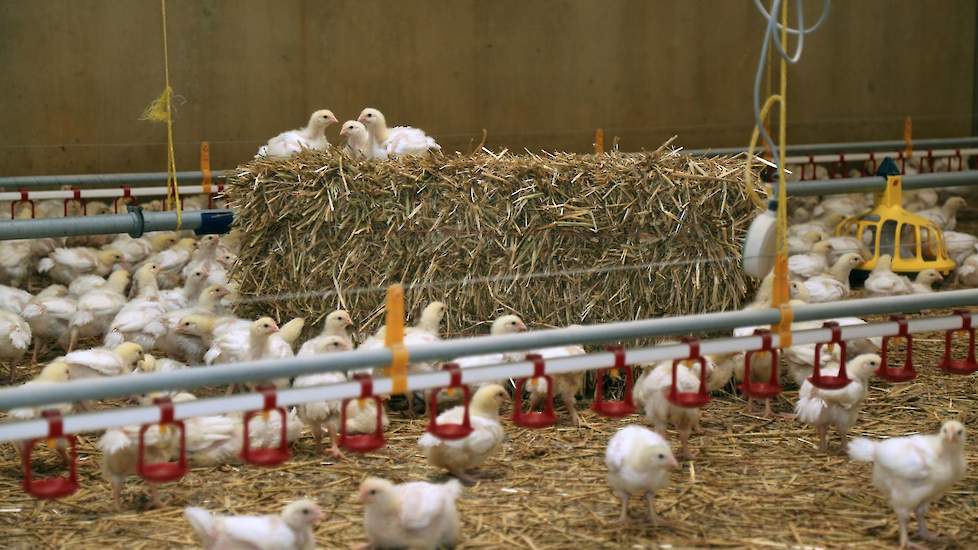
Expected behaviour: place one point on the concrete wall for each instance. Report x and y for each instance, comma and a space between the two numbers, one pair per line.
534, 73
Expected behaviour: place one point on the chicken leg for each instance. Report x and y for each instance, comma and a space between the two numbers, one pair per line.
623, 516
922, 532
569, 401
903, 517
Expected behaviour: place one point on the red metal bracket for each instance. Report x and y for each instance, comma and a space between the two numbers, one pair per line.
614, 408
897, 374
450, 430
692, 399
840, 380
967, 365
762, 390
363, 443
532, 419
267, 456
52, 487
161, 472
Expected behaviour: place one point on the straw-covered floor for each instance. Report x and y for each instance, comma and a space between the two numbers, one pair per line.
755, 483
633, 235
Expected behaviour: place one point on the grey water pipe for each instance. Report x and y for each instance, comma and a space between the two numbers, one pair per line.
135, 223
449, 349
13, 183
878, 183
850, 147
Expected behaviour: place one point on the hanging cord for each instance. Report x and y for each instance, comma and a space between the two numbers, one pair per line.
161, 110
780, 297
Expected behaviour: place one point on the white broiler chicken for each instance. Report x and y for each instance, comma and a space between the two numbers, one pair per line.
825, 225
312, 136
651, 392
264, 432
882, 281
14, 299
151, 363
186, 296
205, 257
85, 284
846, 245
135, 250
290, 530
225, 337
507, 324
566, 385
966, 273
914, 471
805, 266
834, 285
338, 323
639, 461
923, 283
97, 307
357, 140
945, 217
845, 205
916, 200
266, 342
15, 262
98, 362
120, 456
15, 340
321, 416
837, 408
801, 244
171, 262
209, 440
417, 515
959, 245
458, 456
188, 347
66, 264
49, 316
141, 319
397, 141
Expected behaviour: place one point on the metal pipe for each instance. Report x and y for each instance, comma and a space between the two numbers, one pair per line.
102, 420
851, 147
450, 349
878, 183
135, 223
93, 180
110, 193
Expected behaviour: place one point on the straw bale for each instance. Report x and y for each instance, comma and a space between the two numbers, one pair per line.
559, 238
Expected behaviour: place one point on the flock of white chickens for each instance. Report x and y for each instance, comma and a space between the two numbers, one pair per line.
161, 302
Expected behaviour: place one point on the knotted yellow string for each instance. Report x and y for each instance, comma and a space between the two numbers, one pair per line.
161, 110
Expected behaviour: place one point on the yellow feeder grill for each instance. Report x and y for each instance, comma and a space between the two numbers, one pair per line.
914, 242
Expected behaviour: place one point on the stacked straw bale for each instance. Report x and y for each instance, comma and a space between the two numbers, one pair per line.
558, 238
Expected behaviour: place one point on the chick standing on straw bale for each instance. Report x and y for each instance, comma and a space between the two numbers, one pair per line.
417, 515
914, 471
290, 142
357, 140
638, 461
460, 455
397, 141
839, 408
292, 529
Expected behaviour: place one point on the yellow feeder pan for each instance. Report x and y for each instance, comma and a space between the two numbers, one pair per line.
914, 242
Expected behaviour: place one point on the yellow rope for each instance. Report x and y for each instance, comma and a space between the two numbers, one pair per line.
161, 110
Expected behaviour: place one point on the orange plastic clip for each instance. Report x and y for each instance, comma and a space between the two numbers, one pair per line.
908, 135
599, 141
394, 339
784, 327
205, 167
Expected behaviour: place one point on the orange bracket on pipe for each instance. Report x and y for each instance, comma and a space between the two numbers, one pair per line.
394, 339
205, 167
599, 141
908, 136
